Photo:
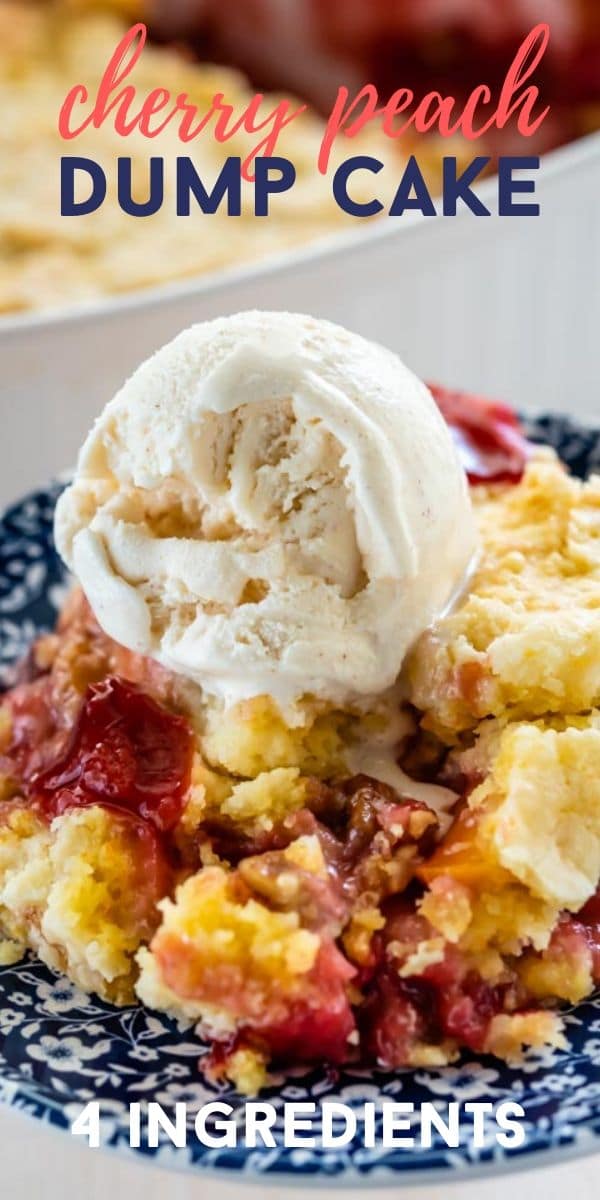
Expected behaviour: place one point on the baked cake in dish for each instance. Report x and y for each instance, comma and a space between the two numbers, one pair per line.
47, 260
259, 876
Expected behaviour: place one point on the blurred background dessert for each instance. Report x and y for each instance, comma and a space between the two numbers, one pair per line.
298, 47
451, 45
48, 260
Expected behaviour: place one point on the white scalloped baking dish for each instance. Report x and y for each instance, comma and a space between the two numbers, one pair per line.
506, 305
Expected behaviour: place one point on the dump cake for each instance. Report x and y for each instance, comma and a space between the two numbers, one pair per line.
48, 260
312, 758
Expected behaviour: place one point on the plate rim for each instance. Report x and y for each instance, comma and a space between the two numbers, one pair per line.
23, 1097
511, 1163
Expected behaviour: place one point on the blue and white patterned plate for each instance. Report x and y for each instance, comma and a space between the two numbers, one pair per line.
60, 1048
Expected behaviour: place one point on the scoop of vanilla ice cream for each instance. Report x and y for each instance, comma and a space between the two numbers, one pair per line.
270, 505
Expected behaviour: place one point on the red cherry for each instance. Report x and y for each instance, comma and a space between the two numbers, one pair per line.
126, 752
488, 436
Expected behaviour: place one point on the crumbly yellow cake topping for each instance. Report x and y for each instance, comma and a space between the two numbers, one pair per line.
252, 737
509, 1034
526, 848
552, 847
233, 942
70, 891
253, 806
526, 639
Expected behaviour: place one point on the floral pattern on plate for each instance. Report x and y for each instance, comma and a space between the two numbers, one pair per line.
60, 1048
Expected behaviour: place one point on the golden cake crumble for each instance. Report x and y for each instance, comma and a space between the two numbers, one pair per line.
227, 867
525, 640
48, 260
